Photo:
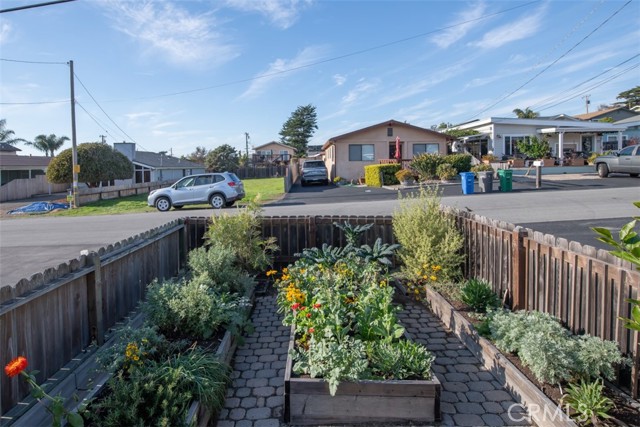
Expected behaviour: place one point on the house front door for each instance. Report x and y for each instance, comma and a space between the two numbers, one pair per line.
392, 150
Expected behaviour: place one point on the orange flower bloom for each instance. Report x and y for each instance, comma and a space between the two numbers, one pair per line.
16, 366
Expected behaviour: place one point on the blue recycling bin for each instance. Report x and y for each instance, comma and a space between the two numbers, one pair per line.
467, 182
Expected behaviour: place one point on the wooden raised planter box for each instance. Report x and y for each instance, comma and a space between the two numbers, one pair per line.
307, 400
540, 406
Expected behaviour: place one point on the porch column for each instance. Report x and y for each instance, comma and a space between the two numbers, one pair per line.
619, 140
560, 153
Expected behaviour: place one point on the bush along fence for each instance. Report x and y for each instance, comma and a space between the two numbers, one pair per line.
55, 316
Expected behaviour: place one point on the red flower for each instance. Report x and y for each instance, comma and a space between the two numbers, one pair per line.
16, 366
308, 315
311, 330
317, 305
295, 306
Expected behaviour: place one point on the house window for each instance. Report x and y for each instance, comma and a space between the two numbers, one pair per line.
511, 142
432, 148
389, 131
361, 153
284, 155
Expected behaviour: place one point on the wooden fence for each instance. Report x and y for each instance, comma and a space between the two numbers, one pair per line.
54, 316
24, 188
261, 171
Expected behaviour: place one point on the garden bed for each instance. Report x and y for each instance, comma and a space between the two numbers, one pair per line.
308, 401
518, 378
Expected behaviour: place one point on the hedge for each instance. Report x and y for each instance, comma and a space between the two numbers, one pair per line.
372, 174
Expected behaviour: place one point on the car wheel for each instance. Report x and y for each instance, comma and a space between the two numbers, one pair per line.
603, 170
229, 204
217, 201
163, 204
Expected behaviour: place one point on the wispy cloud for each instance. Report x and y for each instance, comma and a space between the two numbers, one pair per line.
182, 37
363, 87
5, 32
283, 68
520, 29
460, 26
339, 79
281, 13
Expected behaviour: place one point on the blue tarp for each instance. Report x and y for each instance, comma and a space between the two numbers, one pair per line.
39, 207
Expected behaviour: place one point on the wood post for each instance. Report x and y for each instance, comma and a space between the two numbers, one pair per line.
518, 282
94, 299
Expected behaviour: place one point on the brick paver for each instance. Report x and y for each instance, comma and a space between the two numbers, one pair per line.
471, 395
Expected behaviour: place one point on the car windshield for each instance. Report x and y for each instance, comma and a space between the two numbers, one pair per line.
317, 164
185, 182
234, 177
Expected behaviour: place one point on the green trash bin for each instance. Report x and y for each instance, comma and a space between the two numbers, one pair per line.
506, 179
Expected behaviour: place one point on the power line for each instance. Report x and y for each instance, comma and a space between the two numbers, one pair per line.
335, 58
35, 103
102, 109
33, 62
541, 105
95, 119
554, 62
30, 6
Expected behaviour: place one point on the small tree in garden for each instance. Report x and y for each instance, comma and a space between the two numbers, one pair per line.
428, 236
536, 148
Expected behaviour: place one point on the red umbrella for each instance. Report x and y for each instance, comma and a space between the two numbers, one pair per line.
398, 155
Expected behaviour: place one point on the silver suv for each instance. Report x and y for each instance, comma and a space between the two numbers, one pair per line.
314, 171
217, 189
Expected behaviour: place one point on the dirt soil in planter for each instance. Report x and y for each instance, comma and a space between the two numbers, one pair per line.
622, 411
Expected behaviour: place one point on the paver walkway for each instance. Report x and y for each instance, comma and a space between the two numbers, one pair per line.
471, 396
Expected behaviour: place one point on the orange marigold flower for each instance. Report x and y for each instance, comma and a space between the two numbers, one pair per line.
311, 330
295, 306
317, 305
308, 315
16, 366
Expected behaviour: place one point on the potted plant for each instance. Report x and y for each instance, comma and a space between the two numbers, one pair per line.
405, 176
489, 158
446, 172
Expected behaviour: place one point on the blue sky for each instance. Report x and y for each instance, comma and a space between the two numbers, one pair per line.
173, 75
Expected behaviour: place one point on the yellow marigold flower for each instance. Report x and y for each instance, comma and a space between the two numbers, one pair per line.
271, 272
285, 270
433, 278
436, 268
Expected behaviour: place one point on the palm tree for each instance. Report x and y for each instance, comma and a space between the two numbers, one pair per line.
527, 113
6, 135
48, 144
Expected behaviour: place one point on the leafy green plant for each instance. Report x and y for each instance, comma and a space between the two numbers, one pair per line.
379, 175
461, 162
588, 403
426, 165
427, 235
160, 392
446, 171
218, 266
399, 360
551, 352
241, 234
190, 308
535, 147
481, 167
478, 295
404, 175
628, 247
379, 252
352, 232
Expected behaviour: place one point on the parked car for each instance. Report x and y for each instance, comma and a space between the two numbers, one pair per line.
217, 189
314, 171
626, 160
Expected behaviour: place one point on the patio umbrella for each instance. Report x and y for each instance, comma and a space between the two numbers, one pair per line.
398, 155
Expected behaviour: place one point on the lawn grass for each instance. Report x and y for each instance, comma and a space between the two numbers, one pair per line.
269, 189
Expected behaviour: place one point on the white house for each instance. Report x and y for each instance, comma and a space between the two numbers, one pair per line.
500, 135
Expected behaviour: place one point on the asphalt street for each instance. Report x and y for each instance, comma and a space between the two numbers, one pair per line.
565, 208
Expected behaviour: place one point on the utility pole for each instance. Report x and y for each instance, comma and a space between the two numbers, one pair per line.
74, 155
102, 138
587, 102
246, 142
